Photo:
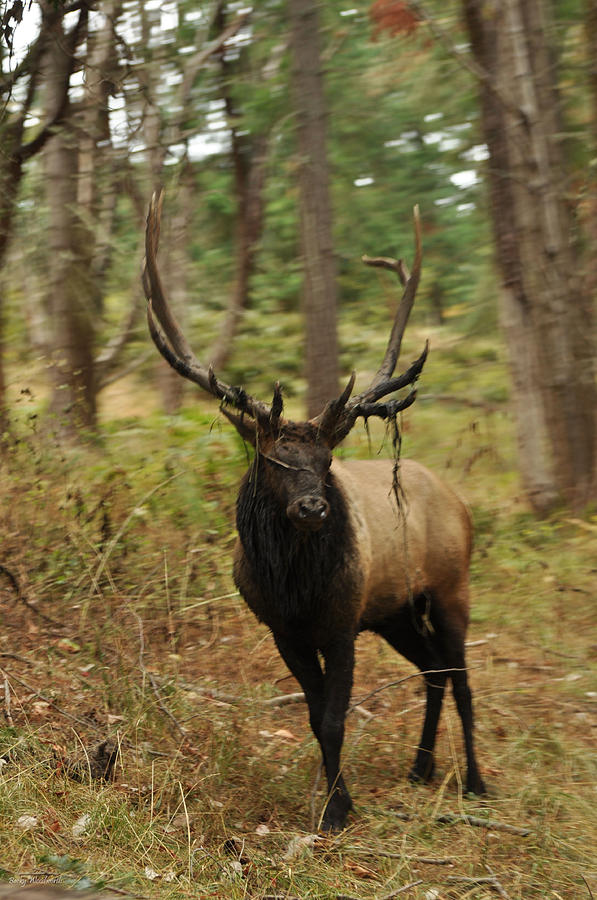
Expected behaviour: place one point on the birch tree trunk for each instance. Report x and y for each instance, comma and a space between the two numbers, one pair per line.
319, 289
546, 311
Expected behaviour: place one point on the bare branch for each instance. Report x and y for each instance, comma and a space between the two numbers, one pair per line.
73, 38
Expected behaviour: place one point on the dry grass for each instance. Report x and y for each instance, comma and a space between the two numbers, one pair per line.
126, 624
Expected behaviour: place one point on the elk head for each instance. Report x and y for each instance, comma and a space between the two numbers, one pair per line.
300, 452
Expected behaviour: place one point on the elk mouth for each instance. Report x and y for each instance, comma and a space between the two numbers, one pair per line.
308, 513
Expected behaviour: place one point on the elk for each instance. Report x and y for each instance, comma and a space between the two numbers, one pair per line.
323, 551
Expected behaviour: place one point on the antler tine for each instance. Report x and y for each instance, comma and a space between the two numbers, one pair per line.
339, 416
411, 283
168, 337
328, 419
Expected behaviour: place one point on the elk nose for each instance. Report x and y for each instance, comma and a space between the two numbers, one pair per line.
309, 512
313, 508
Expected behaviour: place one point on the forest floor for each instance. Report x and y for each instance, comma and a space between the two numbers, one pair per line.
120, 623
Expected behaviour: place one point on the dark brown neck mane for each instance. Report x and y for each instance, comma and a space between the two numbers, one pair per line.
293, 569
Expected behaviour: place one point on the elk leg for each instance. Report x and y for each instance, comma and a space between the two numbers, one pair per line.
304, 664
423, 766
464, 705
419, 649
450, 639
339, 667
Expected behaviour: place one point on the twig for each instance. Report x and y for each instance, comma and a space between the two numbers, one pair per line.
5, 654
490, 880
152, 681
22, 599
314, 790
432, 860
85, 722
453, 819
465, 61
403, 889
7, 712
164, 708
588, 886
299, 697
387, 854
492, 824
389, 684
285, 699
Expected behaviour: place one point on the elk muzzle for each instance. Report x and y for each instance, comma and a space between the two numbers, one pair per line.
308, 512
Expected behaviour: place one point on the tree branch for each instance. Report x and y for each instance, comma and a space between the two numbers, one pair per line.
26, 151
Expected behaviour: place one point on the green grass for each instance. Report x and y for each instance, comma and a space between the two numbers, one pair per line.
127, 625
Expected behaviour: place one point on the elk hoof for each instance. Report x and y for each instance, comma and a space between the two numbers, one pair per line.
476, 785
422, 771
336, 814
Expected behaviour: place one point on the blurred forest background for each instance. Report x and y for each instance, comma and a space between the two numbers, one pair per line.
485, 117
291, 138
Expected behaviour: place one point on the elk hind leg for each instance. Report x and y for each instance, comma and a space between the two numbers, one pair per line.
464, 705
450, 636
407, 633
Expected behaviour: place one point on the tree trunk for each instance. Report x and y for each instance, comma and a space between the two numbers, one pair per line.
72, 318
96, 189
15, 151
10, 177
170, 384
545, 311
249, 182
319, 289
591, 175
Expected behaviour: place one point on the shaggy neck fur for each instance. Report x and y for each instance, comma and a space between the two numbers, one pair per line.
295, 571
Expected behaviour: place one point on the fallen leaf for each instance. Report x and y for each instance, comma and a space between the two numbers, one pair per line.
81, 825
300, 845
111, 719
358, 870
285, 735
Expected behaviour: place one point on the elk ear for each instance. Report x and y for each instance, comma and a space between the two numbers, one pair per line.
246, 428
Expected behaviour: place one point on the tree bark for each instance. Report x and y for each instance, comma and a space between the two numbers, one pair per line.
319, 289
546, 313
249, 157
591, 212
15, 148
68, 303
249, 183
96, 188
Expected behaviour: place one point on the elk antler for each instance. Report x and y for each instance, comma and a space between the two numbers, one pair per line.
172, 344
340, 415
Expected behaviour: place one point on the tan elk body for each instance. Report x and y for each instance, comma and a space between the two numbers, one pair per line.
400, 551
328, 548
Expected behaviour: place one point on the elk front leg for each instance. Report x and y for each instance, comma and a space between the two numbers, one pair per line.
327, 697
339, 667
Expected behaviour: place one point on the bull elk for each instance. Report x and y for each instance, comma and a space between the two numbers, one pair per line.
323, 552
